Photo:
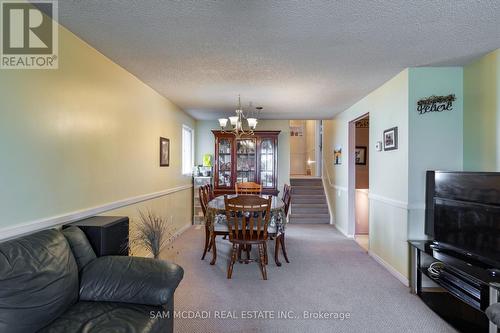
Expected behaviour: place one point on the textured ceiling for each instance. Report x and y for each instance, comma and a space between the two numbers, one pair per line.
300, 59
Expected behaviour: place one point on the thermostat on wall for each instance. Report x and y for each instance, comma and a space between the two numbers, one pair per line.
378, 146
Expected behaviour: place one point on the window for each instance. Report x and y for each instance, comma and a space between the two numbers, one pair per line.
187, 150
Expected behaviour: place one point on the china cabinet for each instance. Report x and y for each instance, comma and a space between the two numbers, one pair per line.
250, 158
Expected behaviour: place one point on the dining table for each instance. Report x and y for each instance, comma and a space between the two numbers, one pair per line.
216, 214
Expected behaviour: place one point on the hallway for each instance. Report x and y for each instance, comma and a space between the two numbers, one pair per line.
327, 273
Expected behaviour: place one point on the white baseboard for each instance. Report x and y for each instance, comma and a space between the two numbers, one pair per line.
343, 233
182, 230
55, 221
403, 279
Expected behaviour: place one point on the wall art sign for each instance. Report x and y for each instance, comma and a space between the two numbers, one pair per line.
436, 104
296, 130
337, 156
360, 155
391, 139
164, 152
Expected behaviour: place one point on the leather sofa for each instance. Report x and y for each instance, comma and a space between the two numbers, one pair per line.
52, 281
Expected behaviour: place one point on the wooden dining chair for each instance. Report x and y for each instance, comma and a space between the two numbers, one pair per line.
286, 191
248, 218
280, 240
204, 198
219, 229
248, 188
211, 193
287, 198
280, 236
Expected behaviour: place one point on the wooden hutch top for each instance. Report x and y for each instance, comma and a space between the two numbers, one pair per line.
251, 158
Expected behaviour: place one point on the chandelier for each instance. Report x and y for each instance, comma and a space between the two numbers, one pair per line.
236, 122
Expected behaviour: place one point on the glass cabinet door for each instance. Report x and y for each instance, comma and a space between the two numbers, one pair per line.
245, 160
267, 163
224, 163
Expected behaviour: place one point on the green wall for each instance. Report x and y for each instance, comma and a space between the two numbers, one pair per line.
435, 138
481, 113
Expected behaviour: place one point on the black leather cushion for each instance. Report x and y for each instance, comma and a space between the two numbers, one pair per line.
82, 250
105, 317
129, 279
38, 281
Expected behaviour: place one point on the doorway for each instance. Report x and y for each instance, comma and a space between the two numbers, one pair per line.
305, 148
360, 166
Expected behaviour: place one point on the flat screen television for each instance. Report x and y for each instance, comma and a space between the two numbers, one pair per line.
463, 213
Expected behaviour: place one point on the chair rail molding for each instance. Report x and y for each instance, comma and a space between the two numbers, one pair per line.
58, 220
388, 201
340, 188
416, 206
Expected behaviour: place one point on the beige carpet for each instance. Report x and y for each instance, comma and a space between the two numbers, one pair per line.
328, 273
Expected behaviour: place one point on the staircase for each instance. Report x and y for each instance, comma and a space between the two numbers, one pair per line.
308, 201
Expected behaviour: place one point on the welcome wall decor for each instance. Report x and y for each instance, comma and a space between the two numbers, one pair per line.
436, 104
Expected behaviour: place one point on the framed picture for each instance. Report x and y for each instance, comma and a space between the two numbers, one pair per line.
360, 155
337, 156
164, 152
391, 139
296, 131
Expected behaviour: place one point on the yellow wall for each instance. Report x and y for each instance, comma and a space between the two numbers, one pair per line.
303, 149
397, 178
310, 136
298, 149
176, 207
388, 183
85, 135
481, 113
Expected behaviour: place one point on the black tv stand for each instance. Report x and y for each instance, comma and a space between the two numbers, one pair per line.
460, 293
463, 255
494, 272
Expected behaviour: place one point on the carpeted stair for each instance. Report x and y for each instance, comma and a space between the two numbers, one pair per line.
308, 201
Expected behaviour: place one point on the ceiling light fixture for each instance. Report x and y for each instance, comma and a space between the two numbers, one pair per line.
236, 122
